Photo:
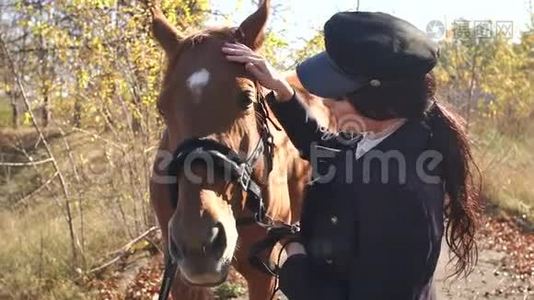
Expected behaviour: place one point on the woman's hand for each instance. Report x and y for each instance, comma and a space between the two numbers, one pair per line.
293, 248
260, 69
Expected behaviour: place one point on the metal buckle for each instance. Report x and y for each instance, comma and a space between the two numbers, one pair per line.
245, 175
264, 221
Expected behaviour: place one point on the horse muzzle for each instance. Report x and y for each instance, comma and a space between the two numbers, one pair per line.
204, 274
203, 263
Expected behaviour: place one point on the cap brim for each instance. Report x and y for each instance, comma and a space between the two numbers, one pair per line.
320, 76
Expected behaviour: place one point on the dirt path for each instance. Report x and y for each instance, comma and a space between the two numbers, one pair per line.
490, 280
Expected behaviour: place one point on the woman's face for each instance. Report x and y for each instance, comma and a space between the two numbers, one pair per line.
342, 108
347, 117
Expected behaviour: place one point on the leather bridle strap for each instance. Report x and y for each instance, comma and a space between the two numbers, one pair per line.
224, 159
168, 277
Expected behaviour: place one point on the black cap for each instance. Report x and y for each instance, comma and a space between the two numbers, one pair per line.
366, 48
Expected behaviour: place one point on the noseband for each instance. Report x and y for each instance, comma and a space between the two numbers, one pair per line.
241, 171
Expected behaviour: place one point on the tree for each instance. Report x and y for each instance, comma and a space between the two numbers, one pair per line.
488, 79
313, 46
93, 58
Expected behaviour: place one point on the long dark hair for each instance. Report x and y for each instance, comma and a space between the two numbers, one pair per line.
415, 99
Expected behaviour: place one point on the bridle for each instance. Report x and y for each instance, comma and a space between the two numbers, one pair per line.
241, 171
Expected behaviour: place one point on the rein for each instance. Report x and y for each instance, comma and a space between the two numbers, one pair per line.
241, 171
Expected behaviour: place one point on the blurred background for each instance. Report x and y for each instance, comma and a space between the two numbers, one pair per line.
79, 129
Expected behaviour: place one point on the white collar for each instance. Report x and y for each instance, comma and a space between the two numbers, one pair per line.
370, 140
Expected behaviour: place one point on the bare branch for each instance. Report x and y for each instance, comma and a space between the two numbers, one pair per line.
23, 201
124, 251
62, 181
25, 164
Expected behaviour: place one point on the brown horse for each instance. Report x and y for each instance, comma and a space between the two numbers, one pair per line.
205, 96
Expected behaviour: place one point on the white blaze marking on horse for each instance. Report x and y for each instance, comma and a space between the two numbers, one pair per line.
197, 82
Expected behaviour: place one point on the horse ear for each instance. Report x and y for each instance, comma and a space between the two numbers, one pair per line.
167, 36
251, 31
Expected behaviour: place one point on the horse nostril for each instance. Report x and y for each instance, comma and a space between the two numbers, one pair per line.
218, 240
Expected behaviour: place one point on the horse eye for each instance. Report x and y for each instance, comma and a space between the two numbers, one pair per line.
245, 100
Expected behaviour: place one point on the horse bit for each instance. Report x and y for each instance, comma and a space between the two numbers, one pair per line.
241, 171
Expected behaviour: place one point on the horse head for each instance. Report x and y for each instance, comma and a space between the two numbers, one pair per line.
205, 97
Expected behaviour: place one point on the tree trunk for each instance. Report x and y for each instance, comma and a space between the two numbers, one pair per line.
15, 114
43, 73
77, 115
45, 110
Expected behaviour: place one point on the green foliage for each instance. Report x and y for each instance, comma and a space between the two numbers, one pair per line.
92, 55
273, 49
229, 290
313, 46
185, 14
490, 80
509, 81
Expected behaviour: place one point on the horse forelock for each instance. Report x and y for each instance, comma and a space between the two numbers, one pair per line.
226, 33
194, 39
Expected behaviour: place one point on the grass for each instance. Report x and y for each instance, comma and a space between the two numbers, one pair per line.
32, 256
507, 165
35, 254
5, 113
35, 247
16, 182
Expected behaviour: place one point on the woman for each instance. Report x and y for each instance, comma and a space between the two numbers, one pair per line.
374, 215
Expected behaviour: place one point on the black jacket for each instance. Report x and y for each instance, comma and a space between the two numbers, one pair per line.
372, 227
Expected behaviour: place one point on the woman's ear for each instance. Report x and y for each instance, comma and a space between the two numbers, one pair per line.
252, 31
